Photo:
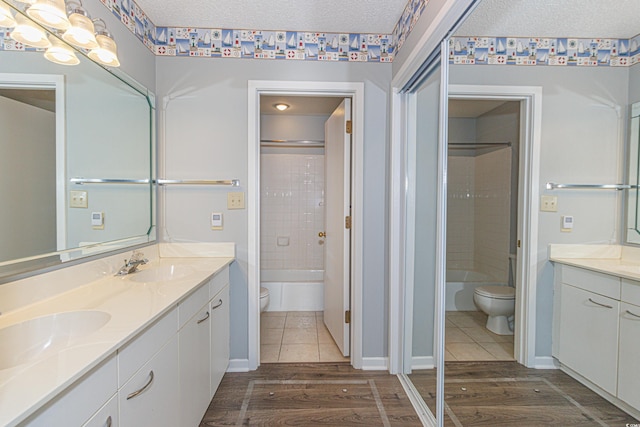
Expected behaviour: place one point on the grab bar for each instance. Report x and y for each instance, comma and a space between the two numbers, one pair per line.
554, 186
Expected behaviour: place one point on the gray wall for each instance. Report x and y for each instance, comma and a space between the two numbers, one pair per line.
582, 142
634, 84
206, 137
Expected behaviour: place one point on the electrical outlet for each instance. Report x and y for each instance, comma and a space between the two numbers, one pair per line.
78, 199
549, 203
235, 200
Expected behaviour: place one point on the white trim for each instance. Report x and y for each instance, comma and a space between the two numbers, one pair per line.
545, 362
529, 191
238, 365
375, 363
423, 362
355, 90
56, 82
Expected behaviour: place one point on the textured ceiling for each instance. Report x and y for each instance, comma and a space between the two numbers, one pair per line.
328, 16
554, 18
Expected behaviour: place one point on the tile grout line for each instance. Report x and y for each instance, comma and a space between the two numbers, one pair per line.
376, 395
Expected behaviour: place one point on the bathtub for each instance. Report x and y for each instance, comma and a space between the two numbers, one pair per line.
460, 286
294, 290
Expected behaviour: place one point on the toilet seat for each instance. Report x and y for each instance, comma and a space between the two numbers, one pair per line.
496, 292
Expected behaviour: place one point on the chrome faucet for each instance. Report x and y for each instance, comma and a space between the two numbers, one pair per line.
131, 265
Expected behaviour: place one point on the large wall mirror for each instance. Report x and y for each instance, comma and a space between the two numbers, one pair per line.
77, 161
633, 212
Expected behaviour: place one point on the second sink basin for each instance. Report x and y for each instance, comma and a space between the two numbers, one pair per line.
161, 273
31, 339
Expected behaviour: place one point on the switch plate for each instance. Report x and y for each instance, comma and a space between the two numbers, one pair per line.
235, 200
216, 221
549, 203
78, 199
567, 223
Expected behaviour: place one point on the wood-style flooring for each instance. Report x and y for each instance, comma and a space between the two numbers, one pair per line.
319, 394
508, 394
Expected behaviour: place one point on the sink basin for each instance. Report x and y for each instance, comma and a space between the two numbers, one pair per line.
161, 273
31, 339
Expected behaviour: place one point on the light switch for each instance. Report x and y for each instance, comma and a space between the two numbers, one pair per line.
235, 200
549, 204
78, 199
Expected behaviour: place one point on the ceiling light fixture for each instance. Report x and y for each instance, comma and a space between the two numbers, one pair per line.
6, 17
26, 32
50, 13
60, 53
81, 32
107, 52
281, 107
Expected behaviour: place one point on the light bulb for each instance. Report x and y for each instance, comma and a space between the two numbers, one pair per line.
60, 53
106, 52
80, 32
28, 33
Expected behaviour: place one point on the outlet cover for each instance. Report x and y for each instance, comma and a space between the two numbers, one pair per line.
78, 199
549, 203
235, 200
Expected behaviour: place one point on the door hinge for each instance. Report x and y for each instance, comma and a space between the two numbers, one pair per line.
348, 127
347, 316
347, 222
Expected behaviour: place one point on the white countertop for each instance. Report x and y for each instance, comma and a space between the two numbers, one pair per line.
133, 305
617, 260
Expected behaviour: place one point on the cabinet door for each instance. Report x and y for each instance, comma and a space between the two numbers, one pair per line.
150, 397
589, 331
107, 416
195, 338
219, 337
628, 372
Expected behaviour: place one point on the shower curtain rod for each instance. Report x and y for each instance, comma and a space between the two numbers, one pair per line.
292, 141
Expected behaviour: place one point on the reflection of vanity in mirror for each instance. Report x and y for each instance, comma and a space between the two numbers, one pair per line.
633, 209
60, 124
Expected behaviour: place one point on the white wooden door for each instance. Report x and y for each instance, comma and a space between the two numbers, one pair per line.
338, 238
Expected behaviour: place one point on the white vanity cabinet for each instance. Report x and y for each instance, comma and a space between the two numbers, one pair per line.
628, 369
219, 307
195, 357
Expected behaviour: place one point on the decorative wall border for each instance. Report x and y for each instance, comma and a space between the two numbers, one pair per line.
578, 52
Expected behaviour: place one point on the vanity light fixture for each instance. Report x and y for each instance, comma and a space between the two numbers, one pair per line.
281, 106
50, 13
81, 31
106, 53
60, 53
26, 32
6, 17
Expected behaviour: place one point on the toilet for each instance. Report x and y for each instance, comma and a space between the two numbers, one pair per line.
264, 298
499, 303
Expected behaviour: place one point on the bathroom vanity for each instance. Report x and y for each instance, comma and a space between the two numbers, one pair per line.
596, 319
148, 348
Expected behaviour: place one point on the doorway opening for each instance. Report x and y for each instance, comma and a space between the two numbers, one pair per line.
351, 224
482, 223
301, 319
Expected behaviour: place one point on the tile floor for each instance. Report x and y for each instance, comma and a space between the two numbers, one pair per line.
296, 336
467, 339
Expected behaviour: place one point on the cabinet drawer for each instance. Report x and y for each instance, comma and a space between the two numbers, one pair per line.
135, 354
218, 282
107, 416
151, 397
84, 398
190, 305
592, 281
630, 292
628, 373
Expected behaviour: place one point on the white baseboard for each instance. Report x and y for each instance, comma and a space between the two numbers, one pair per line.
545, 362
423, 362
238, 365
375, 363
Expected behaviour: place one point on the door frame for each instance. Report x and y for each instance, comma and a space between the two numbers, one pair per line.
354, 90
530, 98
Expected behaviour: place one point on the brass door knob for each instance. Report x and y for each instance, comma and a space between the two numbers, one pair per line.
322, 234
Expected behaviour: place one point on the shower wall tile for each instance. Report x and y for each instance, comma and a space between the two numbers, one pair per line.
460, 213
292, 206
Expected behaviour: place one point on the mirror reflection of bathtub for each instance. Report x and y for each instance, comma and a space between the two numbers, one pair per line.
294, 290
460, 287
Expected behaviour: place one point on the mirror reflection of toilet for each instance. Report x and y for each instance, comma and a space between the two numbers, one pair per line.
498, 302
264, 298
